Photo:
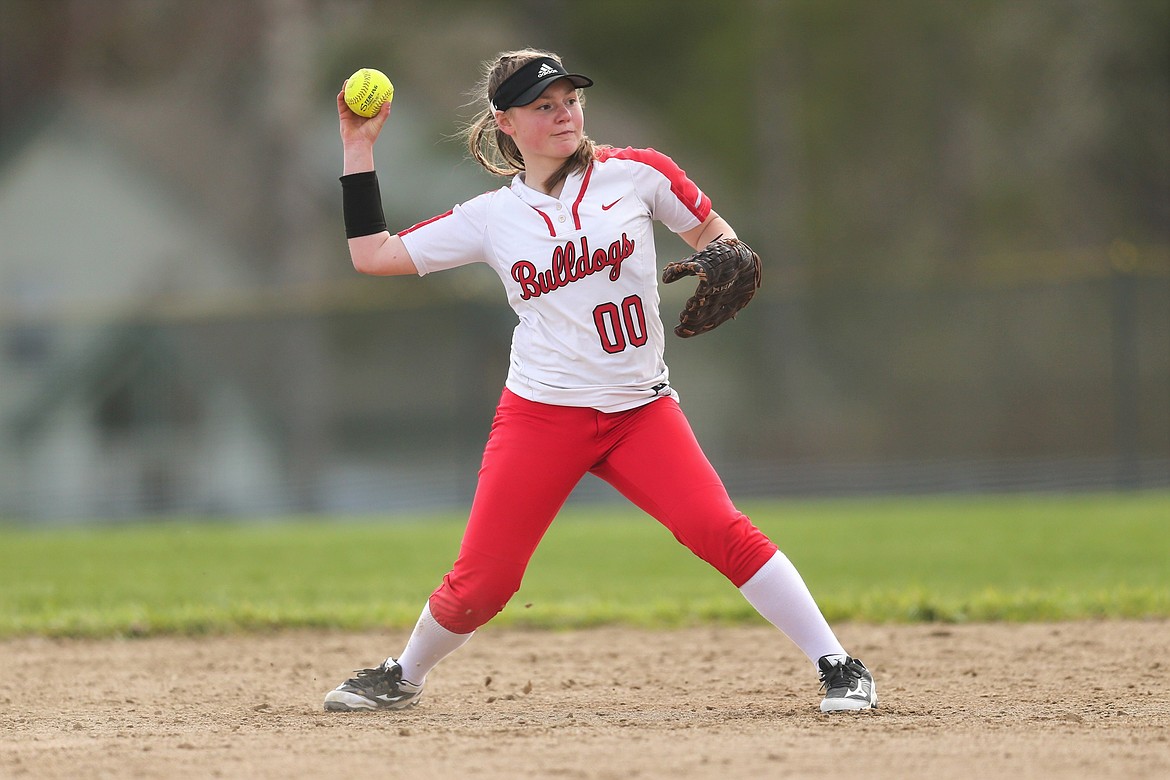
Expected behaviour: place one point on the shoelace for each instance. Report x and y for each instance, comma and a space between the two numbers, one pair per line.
842, 676
371, 678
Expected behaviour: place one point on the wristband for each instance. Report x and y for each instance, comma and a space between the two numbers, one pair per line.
361, 201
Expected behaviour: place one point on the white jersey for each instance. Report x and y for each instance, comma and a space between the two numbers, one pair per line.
580, 272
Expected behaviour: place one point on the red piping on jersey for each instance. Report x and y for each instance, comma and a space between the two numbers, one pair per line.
580, 196
547, 220
425, 222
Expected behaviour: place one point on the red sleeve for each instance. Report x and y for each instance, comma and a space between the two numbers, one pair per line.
688, 193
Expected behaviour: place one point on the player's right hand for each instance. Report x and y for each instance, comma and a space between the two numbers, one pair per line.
355, 129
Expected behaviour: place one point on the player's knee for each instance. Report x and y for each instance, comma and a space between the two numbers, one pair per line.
462, 610
735, 547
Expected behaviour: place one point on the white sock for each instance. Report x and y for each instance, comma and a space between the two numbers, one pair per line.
778, 592
429, 643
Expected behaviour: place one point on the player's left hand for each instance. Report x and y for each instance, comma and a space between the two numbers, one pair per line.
729, 274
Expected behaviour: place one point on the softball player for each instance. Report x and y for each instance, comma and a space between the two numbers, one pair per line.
571, 238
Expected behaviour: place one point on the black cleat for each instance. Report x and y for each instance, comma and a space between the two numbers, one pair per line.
847, 684
374, 689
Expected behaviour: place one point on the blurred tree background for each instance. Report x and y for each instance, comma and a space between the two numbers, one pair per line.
963, 208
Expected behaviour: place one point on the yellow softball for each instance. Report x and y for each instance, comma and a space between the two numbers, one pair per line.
366, 91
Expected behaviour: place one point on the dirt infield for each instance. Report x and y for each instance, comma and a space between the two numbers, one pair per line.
1040, 700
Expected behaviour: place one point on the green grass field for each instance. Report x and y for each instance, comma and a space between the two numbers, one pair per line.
887, 560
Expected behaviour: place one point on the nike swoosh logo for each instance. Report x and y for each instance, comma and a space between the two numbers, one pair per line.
611, 205
386, 697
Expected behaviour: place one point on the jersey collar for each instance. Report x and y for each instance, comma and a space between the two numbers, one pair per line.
561, 214
535, 197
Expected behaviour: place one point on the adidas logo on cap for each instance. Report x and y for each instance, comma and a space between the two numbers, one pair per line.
546, 70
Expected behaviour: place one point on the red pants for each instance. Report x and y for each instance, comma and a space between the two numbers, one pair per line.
537, 453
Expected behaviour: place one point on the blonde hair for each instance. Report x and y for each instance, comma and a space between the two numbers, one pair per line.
494, 149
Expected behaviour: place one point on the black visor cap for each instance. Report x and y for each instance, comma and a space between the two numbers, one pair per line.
526, 84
